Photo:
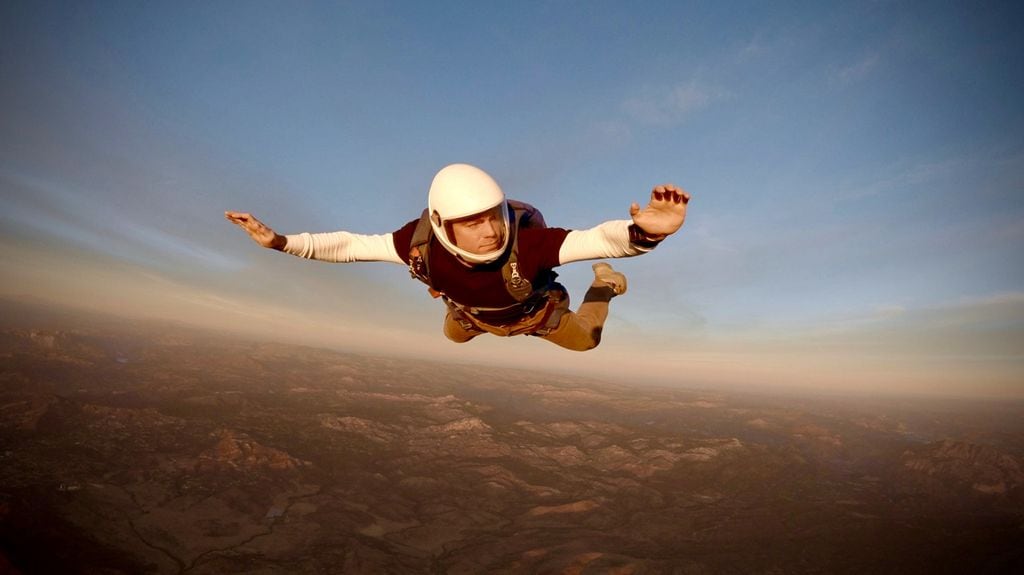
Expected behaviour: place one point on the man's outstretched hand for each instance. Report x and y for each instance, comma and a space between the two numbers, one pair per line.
665, 213
257, 230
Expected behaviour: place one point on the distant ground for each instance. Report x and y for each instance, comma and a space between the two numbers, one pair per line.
149, 448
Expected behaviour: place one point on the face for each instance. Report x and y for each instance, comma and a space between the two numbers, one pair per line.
479, 234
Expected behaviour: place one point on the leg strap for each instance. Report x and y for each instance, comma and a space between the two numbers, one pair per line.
558, 304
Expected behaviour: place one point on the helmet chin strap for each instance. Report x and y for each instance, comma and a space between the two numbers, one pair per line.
491, 256
485, 259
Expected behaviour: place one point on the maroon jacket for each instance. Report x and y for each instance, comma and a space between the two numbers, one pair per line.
483, 285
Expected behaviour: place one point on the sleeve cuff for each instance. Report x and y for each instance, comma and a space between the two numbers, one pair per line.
640, 239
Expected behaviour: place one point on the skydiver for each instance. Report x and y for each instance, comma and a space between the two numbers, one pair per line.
491, 260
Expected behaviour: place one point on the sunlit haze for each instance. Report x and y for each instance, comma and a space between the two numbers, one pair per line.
857, 172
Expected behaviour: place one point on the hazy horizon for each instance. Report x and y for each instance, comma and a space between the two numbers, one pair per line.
856, 170
32, 312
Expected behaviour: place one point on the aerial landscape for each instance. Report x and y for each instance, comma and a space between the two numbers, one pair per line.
822, 372
134, 447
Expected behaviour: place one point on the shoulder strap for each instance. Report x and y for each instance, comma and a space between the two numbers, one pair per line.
419, 252
528, 216
518, 286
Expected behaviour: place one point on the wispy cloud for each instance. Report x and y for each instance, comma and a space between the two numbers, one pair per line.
852, 73
68, 214
159, 242
709, 232
906, 176
965, 347
985, 168
1012, 231
975, 326
672, 105
753, 49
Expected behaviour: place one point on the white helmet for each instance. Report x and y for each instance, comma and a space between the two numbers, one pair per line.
459, 191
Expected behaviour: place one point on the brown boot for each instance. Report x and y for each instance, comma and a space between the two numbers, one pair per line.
604, 274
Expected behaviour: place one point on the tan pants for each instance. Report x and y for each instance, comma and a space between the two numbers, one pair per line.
578, 331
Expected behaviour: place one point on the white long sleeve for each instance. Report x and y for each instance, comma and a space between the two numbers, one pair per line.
343, 247
607, 240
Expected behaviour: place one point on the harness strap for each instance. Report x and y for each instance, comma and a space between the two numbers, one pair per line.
527, 307
543, 316
419, 252
558, 304
459, 316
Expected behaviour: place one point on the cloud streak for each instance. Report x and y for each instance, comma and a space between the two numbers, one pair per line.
672, 106
855, 72
101, 226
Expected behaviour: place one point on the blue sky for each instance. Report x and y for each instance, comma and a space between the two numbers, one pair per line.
857, 172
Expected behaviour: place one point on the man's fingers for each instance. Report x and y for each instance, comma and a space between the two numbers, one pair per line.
236, 217
244, 220
666, 193
669, 193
